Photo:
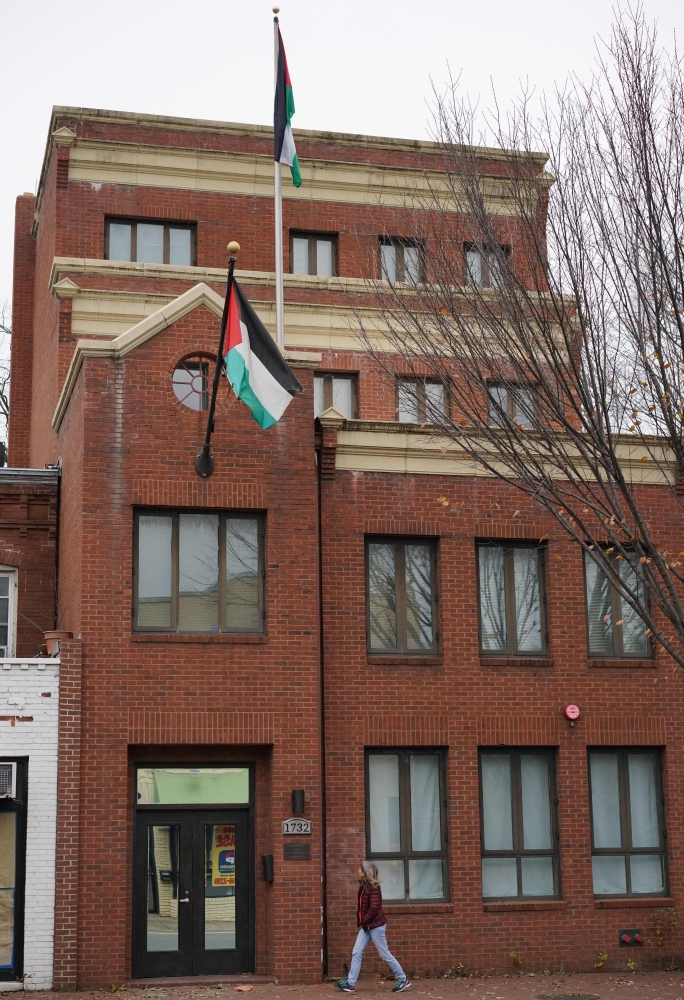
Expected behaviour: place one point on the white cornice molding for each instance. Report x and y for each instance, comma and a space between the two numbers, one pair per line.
63, 136
65, 289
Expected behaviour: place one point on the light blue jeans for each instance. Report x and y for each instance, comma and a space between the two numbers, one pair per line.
377, 936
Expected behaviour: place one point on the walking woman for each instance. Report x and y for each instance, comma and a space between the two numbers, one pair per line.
372, 924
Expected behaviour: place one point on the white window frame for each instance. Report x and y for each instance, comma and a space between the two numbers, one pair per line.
11, 571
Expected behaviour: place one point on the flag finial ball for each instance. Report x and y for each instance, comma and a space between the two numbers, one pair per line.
276, 10
233, 248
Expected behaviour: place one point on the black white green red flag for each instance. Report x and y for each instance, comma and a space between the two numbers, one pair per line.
284, 147
256, 369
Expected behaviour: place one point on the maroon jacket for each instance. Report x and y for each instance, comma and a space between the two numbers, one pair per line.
369, 913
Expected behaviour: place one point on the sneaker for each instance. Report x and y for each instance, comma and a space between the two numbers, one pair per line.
343, 984
402, 984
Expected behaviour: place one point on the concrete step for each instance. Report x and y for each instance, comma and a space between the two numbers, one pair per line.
241, 980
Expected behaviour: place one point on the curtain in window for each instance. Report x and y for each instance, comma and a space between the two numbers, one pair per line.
609, 873
536, 803
634, 638
492, 597
643, 803
324, 259
418, 597
388, 262
382, 601
598, 608
496, 802
150, 243
498, 405
408, 402
647, 873
242, 574
119, 241
426, 879
527, 599
319, 395
474, 266
300, 255
154, 571
412, 264
435, 403
383, 791
180, 243
499, 877
605, 800
425, 813
391, 875
537, 876
342, 396
198, 572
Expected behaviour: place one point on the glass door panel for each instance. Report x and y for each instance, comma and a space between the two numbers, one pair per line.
219, 887
8, 866
163, 869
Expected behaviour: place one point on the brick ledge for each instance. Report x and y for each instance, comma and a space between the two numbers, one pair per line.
419, 907
522, 904
180, 637
405, 661
516, 661
633, 902
645, 664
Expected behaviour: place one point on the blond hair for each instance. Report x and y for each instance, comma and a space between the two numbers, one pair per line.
370, 870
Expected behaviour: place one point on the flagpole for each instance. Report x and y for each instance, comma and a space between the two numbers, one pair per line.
278, 215
204, 460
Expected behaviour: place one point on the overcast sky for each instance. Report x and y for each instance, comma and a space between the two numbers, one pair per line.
356, 66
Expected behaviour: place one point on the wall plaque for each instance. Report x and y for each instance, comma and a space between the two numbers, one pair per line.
296, 826
297, 852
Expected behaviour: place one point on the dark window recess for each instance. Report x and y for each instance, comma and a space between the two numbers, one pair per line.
483, 265
198, 572
422, 401
313, 253
518, 824
191, 378
339, 391
406, 822
627, 829
401, 596
613, 628
512, 405
150, 242
512, 599
401, 260
12, 867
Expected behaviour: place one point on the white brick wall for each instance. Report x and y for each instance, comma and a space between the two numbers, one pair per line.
24, 685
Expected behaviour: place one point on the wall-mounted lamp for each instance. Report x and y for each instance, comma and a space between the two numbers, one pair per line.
298, 802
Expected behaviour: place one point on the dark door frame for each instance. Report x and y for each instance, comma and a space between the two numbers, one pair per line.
18, 806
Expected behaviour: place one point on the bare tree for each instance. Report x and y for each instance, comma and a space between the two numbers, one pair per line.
559, 327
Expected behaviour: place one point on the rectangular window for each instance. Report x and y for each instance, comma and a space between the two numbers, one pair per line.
401, 596
482, 265
512, 599
338, 391
199, 572
421, 401
150, 242
628, 847
405, 822
401, 260
613, 628
12, 867
518, 825
517, 404
8, 605
313, 253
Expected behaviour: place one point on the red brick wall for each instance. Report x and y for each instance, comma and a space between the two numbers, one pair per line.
22, 333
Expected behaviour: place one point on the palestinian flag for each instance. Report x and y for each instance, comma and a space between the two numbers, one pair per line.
284, 147
256, 369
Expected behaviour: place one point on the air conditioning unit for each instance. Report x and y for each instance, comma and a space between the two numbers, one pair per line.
8, 780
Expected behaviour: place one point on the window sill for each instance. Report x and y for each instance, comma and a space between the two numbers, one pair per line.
646, 663
516, 661
418, 907
252, 640
515, 905
405, 660
629, 902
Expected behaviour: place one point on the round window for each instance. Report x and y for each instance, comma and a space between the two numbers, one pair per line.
191, 381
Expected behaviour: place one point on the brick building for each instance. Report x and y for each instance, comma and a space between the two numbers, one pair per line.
314, 617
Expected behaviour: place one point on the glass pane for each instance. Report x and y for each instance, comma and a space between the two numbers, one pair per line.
498, 406
150, 243
536, 802
319, 394
634, 638
496, 802
162, 887
537, 876
412, 264
300, 255
605, 800
495, 270
4, 584
643, 802
474, 266
647, 873
425, 815
191, 384
609, 874
193, 785
383, 795
324, 257
388, 262
499, 877
435, 405
598, 609
527, 599
382, 604
408, 402
8, 837
119, 241
524, 408
198, 573
426, 878
4, 611
154, 571
179, 246
492, 597
418, 597
391, 876
219, 888
342, 396
242, 575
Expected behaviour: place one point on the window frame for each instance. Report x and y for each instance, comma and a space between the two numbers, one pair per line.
513, 403
399, 243
626, 819
12, 615
518, 851
509, 599
422, 404
616, 615
312, 236
400, 542
485, 254
199, 358
133, 222
18, 805
405, 852
328, 379
223, 515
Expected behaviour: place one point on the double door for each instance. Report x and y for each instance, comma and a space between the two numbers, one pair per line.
192, 893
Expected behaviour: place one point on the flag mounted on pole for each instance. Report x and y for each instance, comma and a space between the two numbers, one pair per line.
256, 369
284, 148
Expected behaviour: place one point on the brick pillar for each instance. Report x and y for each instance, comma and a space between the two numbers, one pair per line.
22, 332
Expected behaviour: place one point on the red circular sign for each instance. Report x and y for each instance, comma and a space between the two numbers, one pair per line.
572, 712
